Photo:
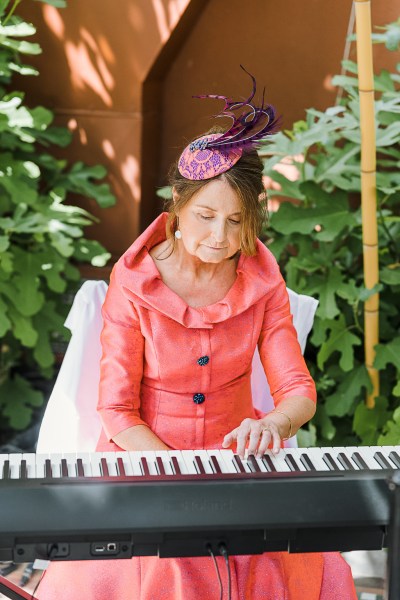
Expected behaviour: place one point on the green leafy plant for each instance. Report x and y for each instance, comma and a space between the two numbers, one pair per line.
41, 236
316, 235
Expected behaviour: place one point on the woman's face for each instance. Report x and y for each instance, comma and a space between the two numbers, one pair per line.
210, 223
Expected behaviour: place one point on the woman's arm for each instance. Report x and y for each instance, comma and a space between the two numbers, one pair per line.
139, 437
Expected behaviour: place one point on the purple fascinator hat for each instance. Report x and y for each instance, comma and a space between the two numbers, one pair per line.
213, 154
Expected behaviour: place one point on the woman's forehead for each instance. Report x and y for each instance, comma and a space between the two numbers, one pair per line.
217, 195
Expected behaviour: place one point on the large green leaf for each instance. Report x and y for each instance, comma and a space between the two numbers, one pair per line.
340, 340
18, 400
388, 354
368, 421
348, 391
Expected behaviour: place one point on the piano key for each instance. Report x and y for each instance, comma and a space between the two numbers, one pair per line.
30, 461
151, 459
6, 469
111, 459
55, 462
144, 466
232, 462
215, 464
160, 465
291, 462
15, 465
331, 462
307, 463
216, 456
202, 461
278, 460
165, 461
83, 464
48, 472
177, 462
104, 467
367, 453
95, 458
344, 460
70, 463
268, 464
40, 459
296, 453
198, 464
253, 464
316, 457
64, 468
382, 460
124, 464
395, 458
359, 460
135, 458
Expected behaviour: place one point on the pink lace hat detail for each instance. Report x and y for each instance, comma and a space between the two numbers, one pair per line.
213, 154
197, 162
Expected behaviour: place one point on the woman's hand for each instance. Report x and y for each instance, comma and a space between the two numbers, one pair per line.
256, 435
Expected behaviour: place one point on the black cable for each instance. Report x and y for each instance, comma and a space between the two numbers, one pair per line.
224, 552
221, 589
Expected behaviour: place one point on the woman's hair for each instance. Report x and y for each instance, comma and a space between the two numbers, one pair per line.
245, 178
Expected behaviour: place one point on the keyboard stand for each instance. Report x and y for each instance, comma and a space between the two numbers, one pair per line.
393, 570
12, 591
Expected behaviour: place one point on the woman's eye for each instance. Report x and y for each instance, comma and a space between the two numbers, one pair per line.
205, 217
234, 222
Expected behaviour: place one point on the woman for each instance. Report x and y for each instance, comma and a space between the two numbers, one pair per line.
186, 306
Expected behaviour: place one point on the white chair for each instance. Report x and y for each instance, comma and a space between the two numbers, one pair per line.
71, 422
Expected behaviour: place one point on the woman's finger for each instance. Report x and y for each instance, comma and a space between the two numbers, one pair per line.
265, 440
254, 439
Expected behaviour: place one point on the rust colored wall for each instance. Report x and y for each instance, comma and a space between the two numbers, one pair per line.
122, 75
95, 58
293, 48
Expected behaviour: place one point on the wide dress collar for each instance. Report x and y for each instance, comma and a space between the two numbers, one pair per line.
141, 281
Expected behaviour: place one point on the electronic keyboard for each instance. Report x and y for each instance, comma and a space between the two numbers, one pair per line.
185, 503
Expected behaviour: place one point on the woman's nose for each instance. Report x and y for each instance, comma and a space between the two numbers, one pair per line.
219, 231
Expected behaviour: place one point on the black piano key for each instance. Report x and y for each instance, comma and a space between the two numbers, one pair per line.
307, 463
175, 466
215, 464
255, 467
345, 462
104, 467
395, 458
145, 466
358, 459
238, 464
199, 465
291, 463
64, 468
6, 470
23, 470
382, 461
121, 467
160, 465
268, 464
48, 473
80, 471
330, 462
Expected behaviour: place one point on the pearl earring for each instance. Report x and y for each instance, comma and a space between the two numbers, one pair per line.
178, 234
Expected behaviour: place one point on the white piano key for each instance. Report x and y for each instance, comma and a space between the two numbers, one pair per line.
135, 457
385, 451
217, 455
85, 457
111, 463
296, 454
15, 464
30, 460
70, 459
189, 458
124, 456
95, 458
40, 465
315, 455
150, 457
181, 462
164, 455
55, 460
228, 456
278, 460
334, 453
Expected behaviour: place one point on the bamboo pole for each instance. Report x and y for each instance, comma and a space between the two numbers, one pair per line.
368, 188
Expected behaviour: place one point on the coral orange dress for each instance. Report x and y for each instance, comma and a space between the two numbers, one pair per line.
185, 373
